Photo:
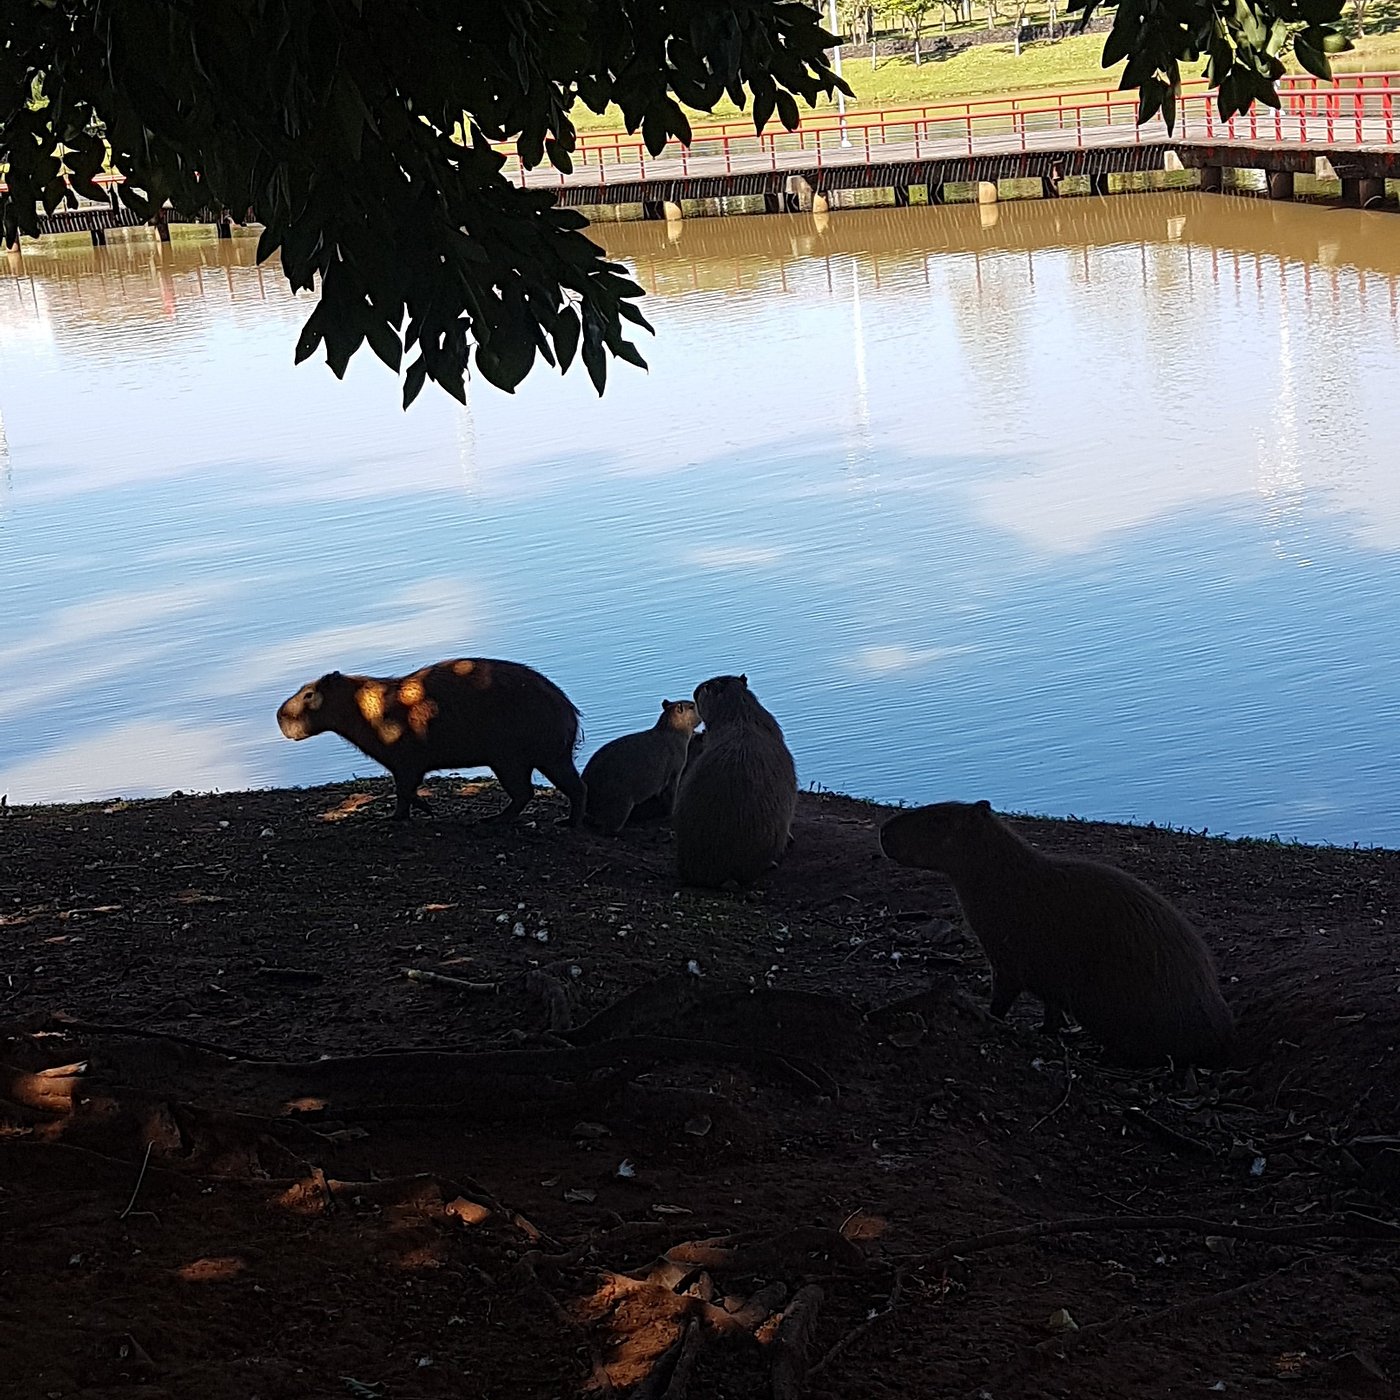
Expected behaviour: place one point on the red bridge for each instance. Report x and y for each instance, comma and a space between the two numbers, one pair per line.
1345, 129
1351, 124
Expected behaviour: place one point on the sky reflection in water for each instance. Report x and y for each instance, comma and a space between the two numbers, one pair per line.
1092, 511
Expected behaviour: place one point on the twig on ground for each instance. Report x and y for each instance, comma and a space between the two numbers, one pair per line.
670, 1377
832, 1352
1069, 1085
791, 1341
1170, 1136
141, 1176
1177, 1312
526, 1269
1348, 1228
460, 984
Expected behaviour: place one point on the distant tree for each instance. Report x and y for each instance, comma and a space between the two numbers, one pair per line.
1359, 11
913, 14
361, 135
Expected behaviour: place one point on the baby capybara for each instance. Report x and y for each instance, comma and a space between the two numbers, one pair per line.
1083, 937
631, 770
734, 809
469, 713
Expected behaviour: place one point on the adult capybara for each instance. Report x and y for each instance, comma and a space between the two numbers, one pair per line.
470, 713
734, 809
1083, 937
638, 767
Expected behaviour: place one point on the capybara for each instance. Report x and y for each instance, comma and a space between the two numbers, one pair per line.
734, 808
1083, 937
637, 767
469, 713
653, 809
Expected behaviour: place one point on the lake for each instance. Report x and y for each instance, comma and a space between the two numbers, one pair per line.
1086, 506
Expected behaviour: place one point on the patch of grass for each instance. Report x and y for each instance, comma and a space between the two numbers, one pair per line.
983, 70
994, 70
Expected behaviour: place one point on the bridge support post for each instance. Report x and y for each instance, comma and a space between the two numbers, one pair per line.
99, 236
225, 224
1212, 179
772, 202
1098, 183
987, 192
937, 194
1049, 187
162, 225
1362, 192
1280, 184
821, 203
901, 196
671, 211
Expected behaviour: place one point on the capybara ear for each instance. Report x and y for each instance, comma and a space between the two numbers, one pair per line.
984, 806
665, 704
744, 681
332, 675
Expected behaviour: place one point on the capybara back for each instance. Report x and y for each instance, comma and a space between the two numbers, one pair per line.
637, 768
734, 810
1084, 937
472, 712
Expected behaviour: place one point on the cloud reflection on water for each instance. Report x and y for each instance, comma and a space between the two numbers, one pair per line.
1082, 515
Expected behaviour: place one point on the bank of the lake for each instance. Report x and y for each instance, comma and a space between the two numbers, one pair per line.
187, 1172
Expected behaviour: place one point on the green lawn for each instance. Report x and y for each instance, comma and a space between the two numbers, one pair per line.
994, 70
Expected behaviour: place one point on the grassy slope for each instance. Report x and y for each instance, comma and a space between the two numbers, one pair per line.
991, 70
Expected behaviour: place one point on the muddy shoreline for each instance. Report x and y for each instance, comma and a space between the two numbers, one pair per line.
450, 1218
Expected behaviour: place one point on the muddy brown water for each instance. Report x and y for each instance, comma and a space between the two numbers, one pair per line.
1085, 506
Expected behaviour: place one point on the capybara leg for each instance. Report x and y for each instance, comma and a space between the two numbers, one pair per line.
519, 788
406, 795
1054, 1018
1005, 990
565, 777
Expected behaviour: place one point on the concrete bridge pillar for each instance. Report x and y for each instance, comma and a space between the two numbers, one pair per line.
937, 194
1212, 179
986, 192
1280, 184
1049, 187
671, 211
821, 203
901, 196
1098, 184
1362, 191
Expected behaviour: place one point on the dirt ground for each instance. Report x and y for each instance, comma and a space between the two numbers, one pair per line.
243, 1154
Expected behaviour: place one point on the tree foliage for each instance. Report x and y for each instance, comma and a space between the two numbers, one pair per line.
363, 133
1242, 42
334, 121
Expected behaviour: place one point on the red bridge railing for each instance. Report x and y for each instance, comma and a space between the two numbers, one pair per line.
1358, 110
1355, 110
